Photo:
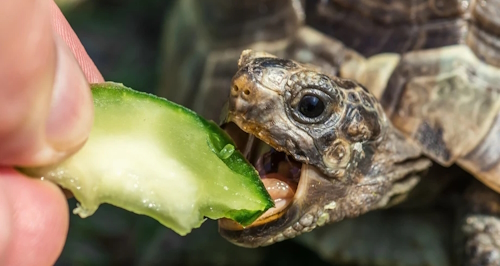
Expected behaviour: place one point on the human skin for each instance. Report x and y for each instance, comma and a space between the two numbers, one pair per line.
45, 115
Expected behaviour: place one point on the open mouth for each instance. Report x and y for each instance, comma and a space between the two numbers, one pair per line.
279, 172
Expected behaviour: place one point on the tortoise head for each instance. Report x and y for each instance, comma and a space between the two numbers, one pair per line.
322, 146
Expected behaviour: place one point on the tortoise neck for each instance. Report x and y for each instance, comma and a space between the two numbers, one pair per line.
396, 167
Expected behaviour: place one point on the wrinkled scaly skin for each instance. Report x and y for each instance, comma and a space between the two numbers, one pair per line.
431, 64
353, 159
480, 227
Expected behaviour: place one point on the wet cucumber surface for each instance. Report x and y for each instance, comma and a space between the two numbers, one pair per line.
153, 157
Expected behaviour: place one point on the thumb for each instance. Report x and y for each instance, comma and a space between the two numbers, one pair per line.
45, 100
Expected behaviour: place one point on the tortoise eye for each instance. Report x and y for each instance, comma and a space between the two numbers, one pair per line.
311, 106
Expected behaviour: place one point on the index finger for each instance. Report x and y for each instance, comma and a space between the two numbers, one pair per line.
62, 27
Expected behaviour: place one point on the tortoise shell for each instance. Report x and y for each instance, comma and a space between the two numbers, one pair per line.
433, 64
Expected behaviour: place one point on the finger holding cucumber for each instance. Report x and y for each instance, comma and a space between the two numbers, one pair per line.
153, 157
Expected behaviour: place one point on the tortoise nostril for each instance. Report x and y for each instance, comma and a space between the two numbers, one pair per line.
247, 92
235, 88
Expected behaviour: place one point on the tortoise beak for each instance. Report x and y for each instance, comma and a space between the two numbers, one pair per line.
301, 216
262, 231
260, 235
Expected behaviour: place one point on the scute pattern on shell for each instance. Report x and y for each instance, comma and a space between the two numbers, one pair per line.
377, 26
447, 100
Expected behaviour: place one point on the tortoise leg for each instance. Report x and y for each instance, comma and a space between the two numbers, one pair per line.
479, 227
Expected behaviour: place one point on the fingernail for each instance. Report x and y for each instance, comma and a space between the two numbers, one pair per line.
71, 112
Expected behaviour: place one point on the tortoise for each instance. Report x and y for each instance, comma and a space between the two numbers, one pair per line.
401, 86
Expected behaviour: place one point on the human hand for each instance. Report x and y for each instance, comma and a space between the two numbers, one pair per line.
45, 115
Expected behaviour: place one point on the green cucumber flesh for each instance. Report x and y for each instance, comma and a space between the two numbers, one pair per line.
153, 157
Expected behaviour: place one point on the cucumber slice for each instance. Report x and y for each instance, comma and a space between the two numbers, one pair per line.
153, 157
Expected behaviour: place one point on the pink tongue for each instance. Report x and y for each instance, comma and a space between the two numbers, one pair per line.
281, 193
277, 188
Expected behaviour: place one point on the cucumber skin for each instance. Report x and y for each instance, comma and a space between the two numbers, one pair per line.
217, 140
